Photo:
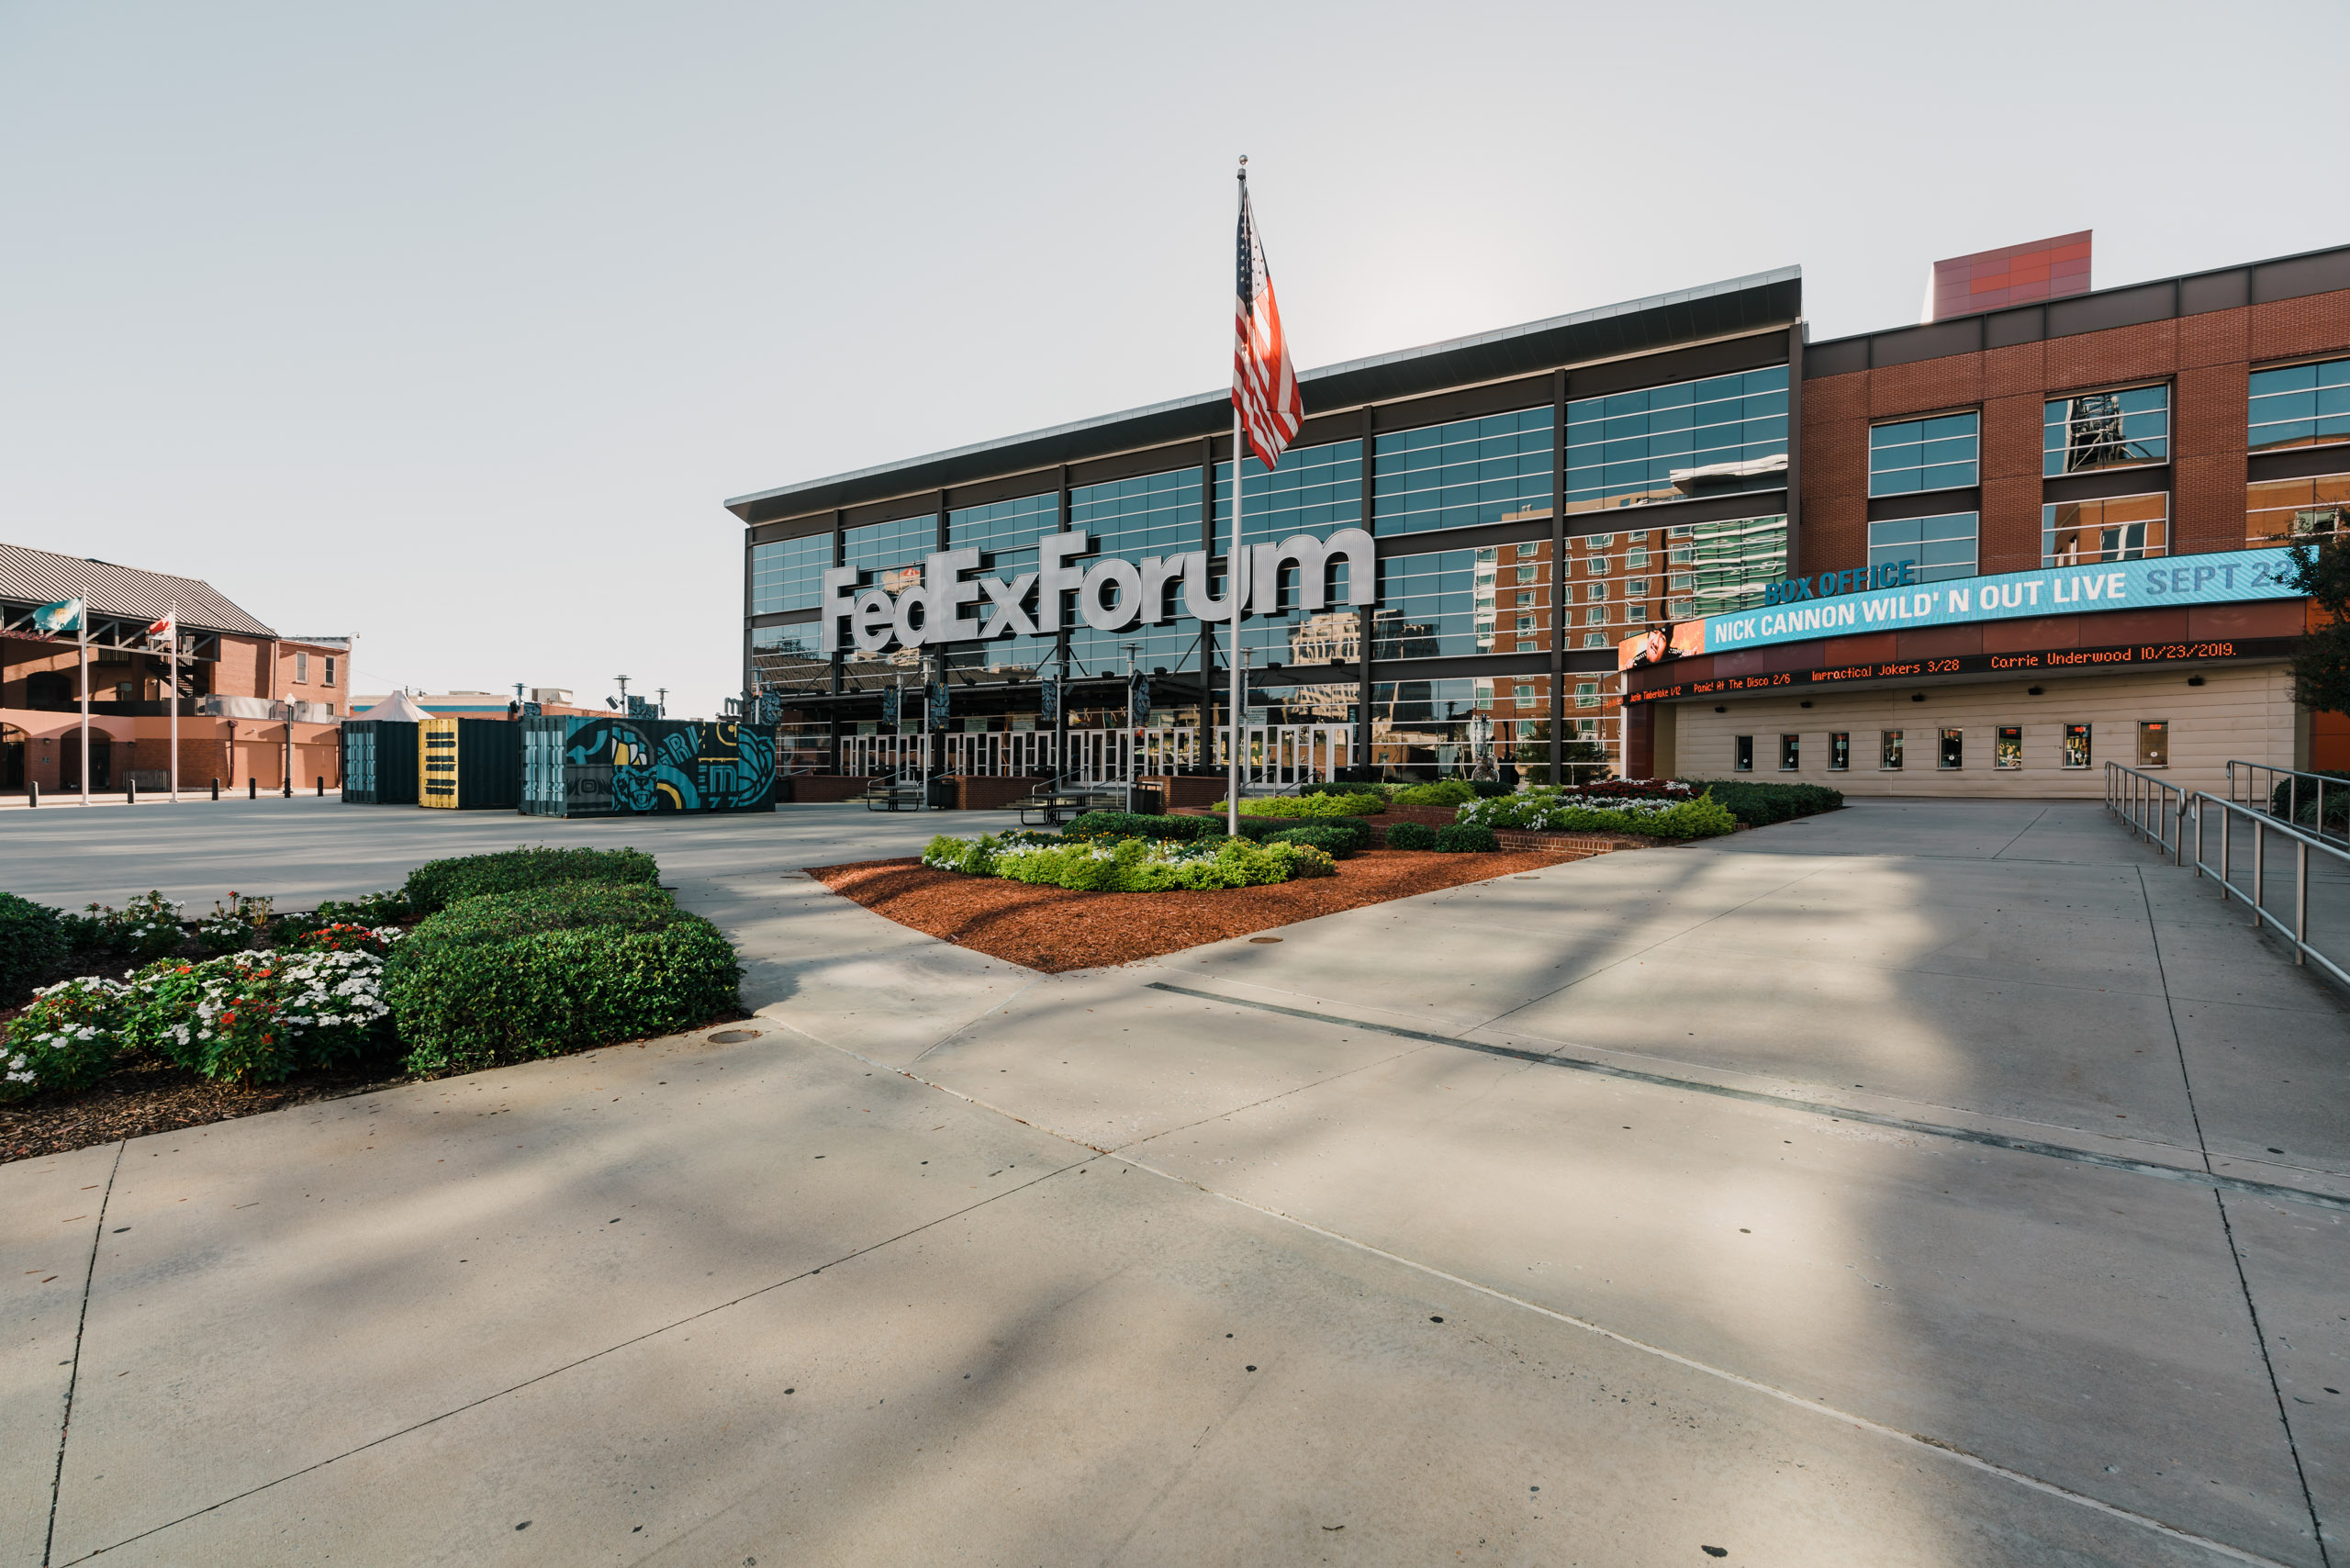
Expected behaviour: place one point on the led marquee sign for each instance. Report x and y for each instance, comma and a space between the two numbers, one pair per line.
2219, 576
934, 611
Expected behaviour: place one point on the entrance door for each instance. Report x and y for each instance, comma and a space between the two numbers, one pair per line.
12, 757
101, 764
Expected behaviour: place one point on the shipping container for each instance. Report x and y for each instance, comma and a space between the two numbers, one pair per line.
620, 766
379, 764
470, 765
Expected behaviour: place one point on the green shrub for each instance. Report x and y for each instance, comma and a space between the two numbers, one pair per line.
1449, 792
1344, 787
1149, 866
506, 977
32, 943
1466, 837
147, 927
1348, 804
437, 884
1336, 839
1411, 836
367, 909
1129, 824
1759, 805
67, 1039
1491, 788
565, 906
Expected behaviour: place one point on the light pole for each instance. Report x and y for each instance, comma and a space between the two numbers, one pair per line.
623, 681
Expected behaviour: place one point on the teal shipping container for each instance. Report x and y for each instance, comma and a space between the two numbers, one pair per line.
621, 767
379, 765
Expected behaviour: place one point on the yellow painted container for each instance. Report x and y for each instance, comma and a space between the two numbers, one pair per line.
469, 765
436, 763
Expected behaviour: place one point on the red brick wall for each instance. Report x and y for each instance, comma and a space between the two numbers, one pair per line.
2207, 357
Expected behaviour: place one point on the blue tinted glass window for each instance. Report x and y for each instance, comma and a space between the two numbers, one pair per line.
1472, 471
2106, 430
1006, 534
895, 549
1317, 490
1429, 606
788, 573
1941, 546
1624, 449
1938, 454
2301, 405
1151, 514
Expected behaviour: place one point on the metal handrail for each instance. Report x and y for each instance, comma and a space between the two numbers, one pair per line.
2156, 810
2263, 824
2261, 798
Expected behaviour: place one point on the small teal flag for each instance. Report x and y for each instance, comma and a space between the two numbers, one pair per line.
65, 615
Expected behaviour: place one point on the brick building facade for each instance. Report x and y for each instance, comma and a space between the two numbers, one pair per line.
254, 706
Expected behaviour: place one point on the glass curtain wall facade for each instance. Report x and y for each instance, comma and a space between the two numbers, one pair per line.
1153, 514
1718, 435
788, 573
1005, 533
1668, 443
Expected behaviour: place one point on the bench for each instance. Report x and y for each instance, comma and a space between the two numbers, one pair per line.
1050, 808
895, 795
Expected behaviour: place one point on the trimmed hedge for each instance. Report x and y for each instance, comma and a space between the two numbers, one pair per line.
1336, 839
1545, 810
1458, 837
437, 884
1346, 803
507, 977
1344, 787
1447, 792
1411, 836
1134, 825
1759, 805
32, 942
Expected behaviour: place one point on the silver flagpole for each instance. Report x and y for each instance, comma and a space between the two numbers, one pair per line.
85, 701
1235, 571
1236, 575
172, 697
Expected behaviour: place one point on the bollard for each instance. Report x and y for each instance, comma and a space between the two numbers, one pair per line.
216, 788
130, 792
252, 787
32, 793
322, 786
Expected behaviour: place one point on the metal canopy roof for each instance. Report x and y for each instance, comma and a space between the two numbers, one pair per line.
1711, 310
43, 577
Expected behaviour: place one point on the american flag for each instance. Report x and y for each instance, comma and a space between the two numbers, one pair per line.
1264, 387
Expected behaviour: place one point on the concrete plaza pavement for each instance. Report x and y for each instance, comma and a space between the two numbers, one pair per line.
1950, 1182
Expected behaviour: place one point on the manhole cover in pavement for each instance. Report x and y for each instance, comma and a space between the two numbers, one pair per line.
734, 1037
1263, 939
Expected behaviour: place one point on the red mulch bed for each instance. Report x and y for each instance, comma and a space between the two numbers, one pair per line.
1053, 929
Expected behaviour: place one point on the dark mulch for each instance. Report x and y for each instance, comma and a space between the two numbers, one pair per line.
1053, 929
147, 1095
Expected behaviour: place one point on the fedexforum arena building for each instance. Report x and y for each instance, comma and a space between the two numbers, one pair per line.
1982, 554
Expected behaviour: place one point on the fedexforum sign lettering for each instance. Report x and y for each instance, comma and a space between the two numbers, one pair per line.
2219, 577
1111, 593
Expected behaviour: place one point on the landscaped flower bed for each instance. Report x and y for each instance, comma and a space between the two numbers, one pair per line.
1128, 865
521, 954
1673, 814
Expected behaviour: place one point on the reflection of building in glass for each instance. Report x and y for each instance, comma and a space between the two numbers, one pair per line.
1470, 728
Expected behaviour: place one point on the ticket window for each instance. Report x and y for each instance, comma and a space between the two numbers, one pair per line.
1952, 756
2076, 746
2007, 750
1743, 758
1888, 753
1839, 752
1790, 753
2154, 742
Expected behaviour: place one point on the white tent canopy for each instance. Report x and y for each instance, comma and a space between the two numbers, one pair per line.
397, 707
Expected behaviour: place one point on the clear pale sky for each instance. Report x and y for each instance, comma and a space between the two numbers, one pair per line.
450, 325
